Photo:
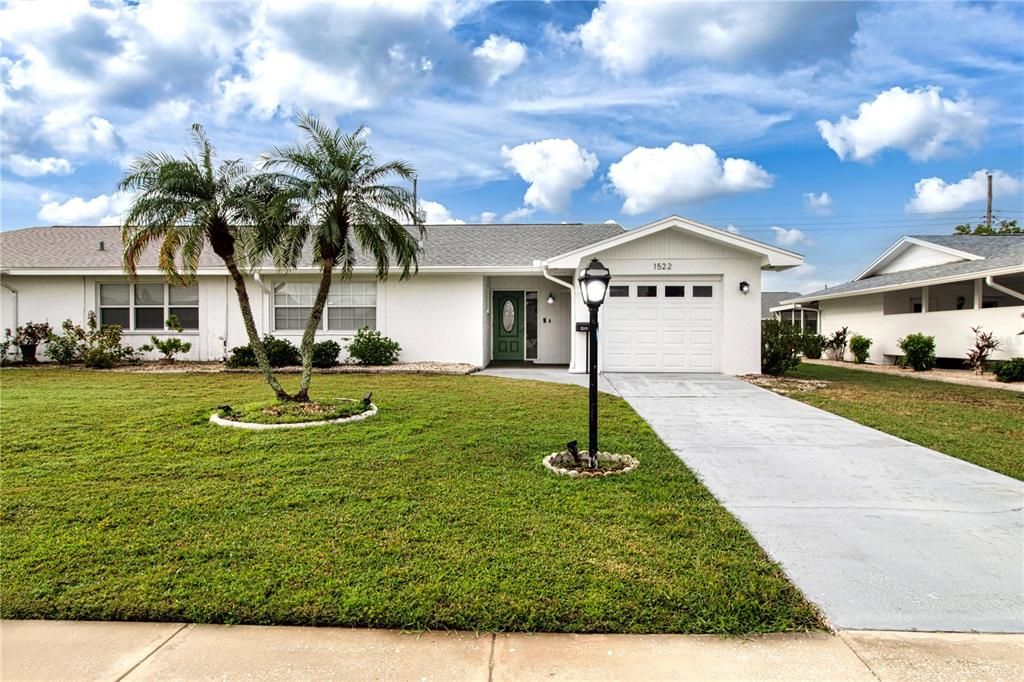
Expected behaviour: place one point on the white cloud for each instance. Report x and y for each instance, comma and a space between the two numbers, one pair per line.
74, 131
921, 122
652, 178
627, 35
789, 237
102, 210
553, 167
499, 56
732, 228
438, 214
818, 204
517, 214
487, 217
934, 195
804, 278
28, 167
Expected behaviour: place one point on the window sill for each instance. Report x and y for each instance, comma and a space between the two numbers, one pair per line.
159, 332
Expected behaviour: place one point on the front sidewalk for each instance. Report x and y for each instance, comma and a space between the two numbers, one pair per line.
70, 650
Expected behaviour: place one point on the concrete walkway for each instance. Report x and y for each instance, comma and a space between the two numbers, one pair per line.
948, 376
67, 650
880, 533
557, 375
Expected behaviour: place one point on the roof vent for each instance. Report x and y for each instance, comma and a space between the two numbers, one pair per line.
101, 247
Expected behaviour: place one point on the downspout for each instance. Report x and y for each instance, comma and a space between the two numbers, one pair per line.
572, 311
1004, 289
15, 292
265, 313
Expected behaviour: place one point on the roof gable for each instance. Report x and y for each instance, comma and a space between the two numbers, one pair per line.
910, 253
772, 258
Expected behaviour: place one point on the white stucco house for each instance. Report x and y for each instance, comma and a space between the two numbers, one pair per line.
939, 285
483, 293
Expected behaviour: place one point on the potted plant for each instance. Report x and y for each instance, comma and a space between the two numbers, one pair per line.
28, 337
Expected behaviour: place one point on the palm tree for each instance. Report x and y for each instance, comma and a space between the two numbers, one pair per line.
339, 197
183, 205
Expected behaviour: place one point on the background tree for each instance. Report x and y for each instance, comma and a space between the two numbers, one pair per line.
339, 199
999, 226
186, 204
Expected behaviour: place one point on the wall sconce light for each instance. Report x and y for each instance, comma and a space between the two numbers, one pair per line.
744, 288
551, 298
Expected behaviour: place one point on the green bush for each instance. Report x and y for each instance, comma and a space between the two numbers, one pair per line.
918, 351
860, 346
370, 347
325, 354
836, 343
64, 349
280, 353
99, 347
813, 345
781, 343
1009, 371
168, 347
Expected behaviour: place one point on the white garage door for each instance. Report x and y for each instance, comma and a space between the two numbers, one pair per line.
672, 326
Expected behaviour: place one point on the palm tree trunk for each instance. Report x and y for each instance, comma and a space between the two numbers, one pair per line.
309, 336
255, 342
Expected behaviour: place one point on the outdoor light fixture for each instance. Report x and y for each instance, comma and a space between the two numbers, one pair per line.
593, 281
744, 288
551, 298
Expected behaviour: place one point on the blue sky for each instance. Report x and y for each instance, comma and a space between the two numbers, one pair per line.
828, 128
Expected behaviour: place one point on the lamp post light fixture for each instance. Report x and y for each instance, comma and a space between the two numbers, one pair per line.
593, 281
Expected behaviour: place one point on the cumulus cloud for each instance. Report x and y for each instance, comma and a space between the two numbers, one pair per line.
515, 215
28, 167
438, 214
553, 167
499, 56
488, 217
650, 178
78, 132
105, 209
921, 122
935, 195
627, 35
790, 237
732, 228
818, 204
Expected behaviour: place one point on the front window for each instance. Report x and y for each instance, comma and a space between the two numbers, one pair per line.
147, 306
351, 306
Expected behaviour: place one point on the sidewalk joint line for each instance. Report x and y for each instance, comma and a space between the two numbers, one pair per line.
839, 634
490, 662
147, 656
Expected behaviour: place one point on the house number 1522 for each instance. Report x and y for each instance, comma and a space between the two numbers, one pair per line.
662, 266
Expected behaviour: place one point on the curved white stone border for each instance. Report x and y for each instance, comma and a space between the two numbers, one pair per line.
220, 421
553, 460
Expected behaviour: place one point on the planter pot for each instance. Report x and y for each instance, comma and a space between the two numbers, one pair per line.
28, 352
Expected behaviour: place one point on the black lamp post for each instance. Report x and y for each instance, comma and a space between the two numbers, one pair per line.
593, 281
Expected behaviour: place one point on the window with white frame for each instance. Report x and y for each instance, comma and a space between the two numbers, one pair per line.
146, 306
350, 306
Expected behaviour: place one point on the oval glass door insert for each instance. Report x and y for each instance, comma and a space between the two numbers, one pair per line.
508, 316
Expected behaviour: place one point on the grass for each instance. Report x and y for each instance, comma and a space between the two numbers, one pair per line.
274, 412
984, 426
120, 501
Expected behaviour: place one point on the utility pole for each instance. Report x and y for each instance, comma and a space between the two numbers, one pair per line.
988, 211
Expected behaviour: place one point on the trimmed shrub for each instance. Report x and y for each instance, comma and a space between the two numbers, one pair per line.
781, 343
918, 351
325, 354
860, 346
813, 345
1009, 371
280, 353
168, 347
370, 347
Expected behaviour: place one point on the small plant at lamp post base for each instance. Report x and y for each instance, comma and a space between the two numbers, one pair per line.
860, 346
836, 343
984, 344
28, 336
170, 346
918, 351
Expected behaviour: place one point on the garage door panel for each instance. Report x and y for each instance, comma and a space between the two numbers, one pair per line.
663, 334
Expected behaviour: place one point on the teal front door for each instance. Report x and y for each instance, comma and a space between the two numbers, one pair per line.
507, 334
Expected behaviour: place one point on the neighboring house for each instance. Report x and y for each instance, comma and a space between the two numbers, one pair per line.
936, 285
483, 293
803, 316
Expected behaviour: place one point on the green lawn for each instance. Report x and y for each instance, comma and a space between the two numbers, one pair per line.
120, 501
981, 425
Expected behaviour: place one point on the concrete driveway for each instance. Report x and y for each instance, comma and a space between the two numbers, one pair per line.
882, 534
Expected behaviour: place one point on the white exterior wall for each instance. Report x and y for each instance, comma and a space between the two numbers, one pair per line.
691, 256
553, 336
435, 317
951, 328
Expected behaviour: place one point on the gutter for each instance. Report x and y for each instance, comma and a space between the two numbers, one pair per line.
1004, 289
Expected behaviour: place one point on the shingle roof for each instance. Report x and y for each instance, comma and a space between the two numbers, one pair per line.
445, 246
997, 252
770, 299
